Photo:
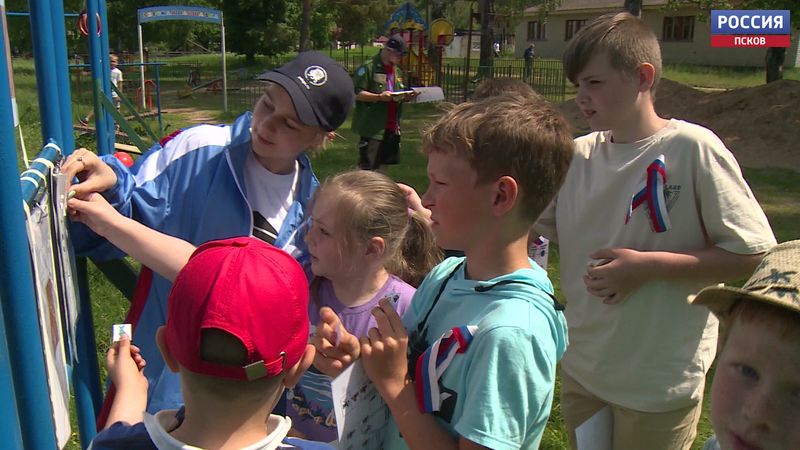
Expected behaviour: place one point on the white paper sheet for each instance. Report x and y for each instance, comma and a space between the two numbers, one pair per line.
47, 297
361, 414
595, 433
428, 94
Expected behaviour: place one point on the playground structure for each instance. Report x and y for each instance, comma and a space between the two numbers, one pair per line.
31, 416
407, 21
195, 13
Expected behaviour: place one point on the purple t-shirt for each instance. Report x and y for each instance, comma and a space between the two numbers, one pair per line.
310, 403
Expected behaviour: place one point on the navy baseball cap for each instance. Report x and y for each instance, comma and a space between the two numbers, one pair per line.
397, 43
320, 88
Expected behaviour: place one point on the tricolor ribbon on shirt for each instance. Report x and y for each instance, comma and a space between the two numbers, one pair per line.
434, 361
651, 192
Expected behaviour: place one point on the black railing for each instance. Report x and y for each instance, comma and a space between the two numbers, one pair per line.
545, 76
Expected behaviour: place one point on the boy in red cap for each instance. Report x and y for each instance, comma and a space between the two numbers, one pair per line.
236, 332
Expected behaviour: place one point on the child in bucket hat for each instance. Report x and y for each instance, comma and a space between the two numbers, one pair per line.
237, 332
755, 395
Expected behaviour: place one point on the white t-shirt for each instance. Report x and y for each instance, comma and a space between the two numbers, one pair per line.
156, 429
270, 195
651, 351
116, 77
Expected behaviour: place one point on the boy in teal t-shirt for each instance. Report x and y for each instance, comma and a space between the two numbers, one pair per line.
473, 362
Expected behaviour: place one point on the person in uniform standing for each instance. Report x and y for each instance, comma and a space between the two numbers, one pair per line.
381, 88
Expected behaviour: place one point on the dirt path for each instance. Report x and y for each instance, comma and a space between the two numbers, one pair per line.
194, 115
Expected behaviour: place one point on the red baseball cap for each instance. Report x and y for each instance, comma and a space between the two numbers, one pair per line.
246, 288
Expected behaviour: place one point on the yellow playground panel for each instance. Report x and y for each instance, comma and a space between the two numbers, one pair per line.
407, 21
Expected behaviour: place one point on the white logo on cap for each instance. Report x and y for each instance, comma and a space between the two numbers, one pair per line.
316, 75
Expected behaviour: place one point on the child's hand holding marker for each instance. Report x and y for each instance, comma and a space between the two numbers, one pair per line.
336, 348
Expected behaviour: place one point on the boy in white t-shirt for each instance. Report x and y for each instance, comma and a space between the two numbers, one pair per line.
651, 211
116, 80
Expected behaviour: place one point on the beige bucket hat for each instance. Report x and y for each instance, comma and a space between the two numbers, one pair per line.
776, 281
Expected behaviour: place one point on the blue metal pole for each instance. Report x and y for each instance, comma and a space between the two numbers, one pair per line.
101, 9
9, 416
86, 372
99, 65
62, 76
35, 415
44, 56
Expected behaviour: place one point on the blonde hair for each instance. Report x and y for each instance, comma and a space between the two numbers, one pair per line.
626, 39
523, 137
370, 204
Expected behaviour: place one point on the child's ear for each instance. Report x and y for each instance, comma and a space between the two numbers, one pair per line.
647, 76
376, 246
161, 341
294, 373
505, 194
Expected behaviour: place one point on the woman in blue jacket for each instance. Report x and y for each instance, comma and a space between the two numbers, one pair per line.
214, 182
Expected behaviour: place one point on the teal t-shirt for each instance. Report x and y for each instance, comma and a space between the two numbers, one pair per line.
498, 392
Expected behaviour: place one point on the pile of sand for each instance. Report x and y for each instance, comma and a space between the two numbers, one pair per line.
760, 125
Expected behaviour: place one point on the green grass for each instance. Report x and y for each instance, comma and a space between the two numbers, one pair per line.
776, 189
722, 77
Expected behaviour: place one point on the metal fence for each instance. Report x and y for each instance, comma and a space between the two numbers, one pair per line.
545, 76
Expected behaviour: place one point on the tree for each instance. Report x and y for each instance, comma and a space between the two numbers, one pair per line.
360, 20
510, 9
775, 56
259, 27
323, 22
305, 25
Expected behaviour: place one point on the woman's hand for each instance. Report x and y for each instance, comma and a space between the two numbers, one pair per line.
93, 173
95, 212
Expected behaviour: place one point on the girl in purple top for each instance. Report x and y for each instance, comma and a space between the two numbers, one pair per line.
365, 245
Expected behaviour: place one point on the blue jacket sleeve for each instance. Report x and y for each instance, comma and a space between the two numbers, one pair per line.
86, 241
180, 173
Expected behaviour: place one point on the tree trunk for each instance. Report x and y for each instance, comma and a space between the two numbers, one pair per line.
634, 7
305, 25
774, 63
487, 38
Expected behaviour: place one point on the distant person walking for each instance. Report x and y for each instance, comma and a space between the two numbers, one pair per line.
529, 54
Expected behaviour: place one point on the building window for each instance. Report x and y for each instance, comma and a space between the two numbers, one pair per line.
678, 28
572, 27
537, 31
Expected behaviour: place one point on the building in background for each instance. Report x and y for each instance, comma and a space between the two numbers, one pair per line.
685, 33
